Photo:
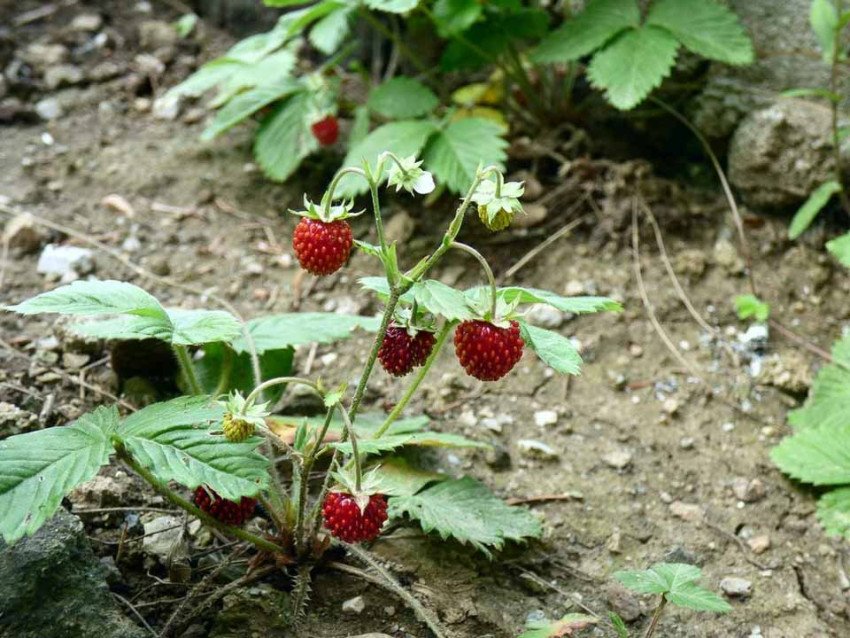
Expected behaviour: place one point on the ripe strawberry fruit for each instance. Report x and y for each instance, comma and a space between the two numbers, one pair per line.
326, 130
400, 352
345, 520
486, 351
228, 512
322, 247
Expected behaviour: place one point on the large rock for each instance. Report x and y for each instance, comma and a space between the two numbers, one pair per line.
781, 153
783, 40
51, 584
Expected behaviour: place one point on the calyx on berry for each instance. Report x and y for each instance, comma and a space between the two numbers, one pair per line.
498, 202
240, 419
326, 212
406, 173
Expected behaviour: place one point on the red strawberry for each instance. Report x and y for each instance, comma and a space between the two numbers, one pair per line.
422, 345
345, 520
486, 351
322, 247
227, 512
326, 130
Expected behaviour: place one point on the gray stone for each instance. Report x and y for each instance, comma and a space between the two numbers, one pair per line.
106, 70
42, 55
354, 605
164, 538
623, 602
252, 611
790, 372
536, 449
48, 109
63, 260
62, 75
736, 587
86, 22
780, 154
543, 418
23, 234
155, 34
545, 316
748, 491
618, 459
399, 227
51, 584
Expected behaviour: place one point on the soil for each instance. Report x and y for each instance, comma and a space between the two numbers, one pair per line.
650, 463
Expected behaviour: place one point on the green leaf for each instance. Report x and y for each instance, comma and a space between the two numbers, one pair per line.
834, 512
824, 20
661, 578
389, 442
692, 596
175, 441
364, 427
633, 64
840, 249
95, 298
592, 28
554, 349
276, 332
125, 328
467, 511
38, 469
329, 32
493, 37
814, 92
562, 628
273, 363
398, 478
194, 327
619, 625
706, 27
403, 138
454, 16
284, 138
186, 24
440, 299
574, 305
817, 455
402, 98
209, 75
750, 306
804, 217
392, 6
359, 126
456, 152
272, 70
829, 399
246, 104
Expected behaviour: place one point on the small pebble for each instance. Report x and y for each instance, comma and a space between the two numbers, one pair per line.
736, 587
354, 605
543, 418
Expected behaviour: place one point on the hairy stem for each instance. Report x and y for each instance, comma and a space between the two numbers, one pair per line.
187, 369
305, 479
226, 371
355, 454
656, 616
256, 392
414, 386
489, 271
179, 501
327, 200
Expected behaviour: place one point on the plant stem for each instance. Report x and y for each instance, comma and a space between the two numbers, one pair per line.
179, 501
327, 200
411, 390
489, 271
226, 370
358, 469
834, 104
380, 27
305, 478
256, 392
656, 616
379, 222
187, 368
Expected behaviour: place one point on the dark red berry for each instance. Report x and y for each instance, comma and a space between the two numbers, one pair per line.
322, 247
345, 521
422, 345
400, 352
326, 130
488, 352
228, 512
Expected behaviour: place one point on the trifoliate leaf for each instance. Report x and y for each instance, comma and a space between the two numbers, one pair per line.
829, 399
271, 71
454, 16
819, 198
284, 138
818, 455
275, 332
574, 305
751, 307
406, 137
329, 32
398, 478
402, 98
660, 578
834, 512
389, 442
38, 469
440, 299
633, 64
706, 27
247, 103
209, 75
840, 249
175, 441
456, 152
600, 21
692, 596
554, 349
194, 327
467, 511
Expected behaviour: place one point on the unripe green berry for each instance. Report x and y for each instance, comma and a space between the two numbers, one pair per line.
236, 429
501, 221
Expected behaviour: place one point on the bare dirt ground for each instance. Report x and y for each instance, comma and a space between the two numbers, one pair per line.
647, 462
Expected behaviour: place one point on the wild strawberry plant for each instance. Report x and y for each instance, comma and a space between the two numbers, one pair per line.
535, 56
221, 442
